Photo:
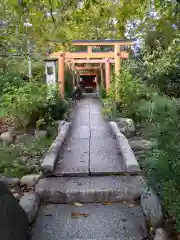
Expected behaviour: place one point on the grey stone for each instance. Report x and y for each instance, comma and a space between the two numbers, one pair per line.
30, 180
13, 219
113, 222
96, 120
90, 189
80, 132
104, 157
25, 138
30, 203
129, 158
49, 161
17, 195
40, 134
137, 145
160, 234
114, 128
126, 126
10, 181
151, 207
101, 131
74, 158
7, 137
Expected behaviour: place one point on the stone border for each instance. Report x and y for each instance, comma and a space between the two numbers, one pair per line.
30, 203
130, 160
50, 159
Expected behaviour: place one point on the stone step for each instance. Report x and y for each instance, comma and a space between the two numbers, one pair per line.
90, 189
89, 222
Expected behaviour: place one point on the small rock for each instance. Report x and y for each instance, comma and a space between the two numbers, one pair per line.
7, 137
30, 203
30, 180
24, 138
151, 207
126, 126
40, 134
160, 234
13, 190
17, 195
10, 181
137, 145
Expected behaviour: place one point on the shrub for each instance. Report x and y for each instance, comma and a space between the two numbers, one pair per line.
31, 103
163, 163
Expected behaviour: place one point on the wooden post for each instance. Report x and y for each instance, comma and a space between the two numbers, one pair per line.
61, 74
117, 58
108, 74
89, 49
102, 75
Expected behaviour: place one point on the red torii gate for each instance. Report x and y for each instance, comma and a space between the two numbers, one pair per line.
104, 59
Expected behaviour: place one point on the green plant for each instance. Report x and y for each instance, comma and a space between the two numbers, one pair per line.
25, 158
24, 103
33, 104
102, 92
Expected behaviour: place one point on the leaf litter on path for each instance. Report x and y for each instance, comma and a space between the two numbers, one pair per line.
78, 214
107, 203
77, 204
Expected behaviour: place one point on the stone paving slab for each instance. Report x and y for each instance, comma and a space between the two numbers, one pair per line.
90, 189
81, 121
101, 131
105, 157
97, 120
74, 160
115, 222
80, 132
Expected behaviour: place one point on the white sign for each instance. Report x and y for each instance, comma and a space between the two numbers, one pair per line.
50, 70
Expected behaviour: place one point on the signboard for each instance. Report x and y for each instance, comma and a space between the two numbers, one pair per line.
50, 70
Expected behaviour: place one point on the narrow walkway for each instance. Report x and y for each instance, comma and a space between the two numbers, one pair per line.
84, 200
90, 148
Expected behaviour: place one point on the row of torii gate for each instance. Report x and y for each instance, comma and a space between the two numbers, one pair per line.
92, 62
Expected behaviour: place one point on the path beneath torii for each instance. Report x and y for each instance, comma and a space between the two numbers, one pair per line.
91, 171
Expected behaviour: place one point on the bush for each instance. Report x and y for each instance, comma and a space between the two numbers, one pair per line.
31, 103
163, 163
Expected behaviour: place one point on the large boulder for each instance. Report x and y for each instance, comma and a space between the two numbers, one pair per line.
30, 179
151, 207
13, 219
25, 138
7, 138
160, 234
138, 145
126, 126
40, 134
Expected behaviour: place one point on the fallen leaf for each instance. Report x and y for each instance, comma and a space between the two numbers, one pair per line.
77, 204
76, 214
131, 205
107, 203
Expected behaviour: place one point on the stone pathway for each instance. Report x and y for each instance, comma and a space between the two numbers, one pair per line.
90, 171
90, 148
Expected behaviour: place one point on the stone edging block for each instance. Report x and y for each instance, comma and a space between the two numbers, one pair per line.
130, 160
50, 159
30, 203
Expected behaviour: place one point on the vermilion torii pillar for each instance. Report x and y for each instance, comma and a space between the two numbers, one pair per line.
61, 69
117, 63
108, 74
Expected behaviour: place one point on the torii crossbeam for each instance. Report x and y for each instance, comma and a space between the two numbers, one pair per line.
93, 57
